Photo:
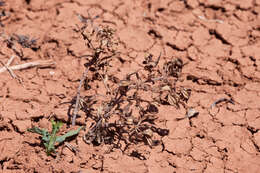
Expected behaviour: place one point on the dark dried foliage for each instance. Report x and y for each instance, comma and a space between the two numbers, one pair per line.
123, 114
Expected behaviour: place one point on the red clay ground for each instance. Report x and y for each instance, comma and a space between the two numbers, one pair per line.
219, 41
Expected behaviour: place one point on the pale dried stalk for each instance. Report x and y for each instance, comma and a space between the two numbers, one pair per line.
6, 66
10, 61
76, 109
41, 64
71, 147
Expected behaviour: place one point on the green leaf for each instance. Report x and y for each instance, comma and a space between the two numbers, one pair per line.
39, 131
49, 140
45, 134
62, 138
50, 147
56, 126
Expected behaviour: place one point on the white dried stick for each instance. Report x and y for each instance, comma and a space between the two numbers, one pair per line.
41, 64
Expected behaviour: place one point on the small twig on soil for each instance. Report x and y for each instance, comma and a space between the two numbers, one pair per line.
10, 60
105, 84
221, 100
210, 20
189, 114
76, 110
6, 66
42, 64
71, 147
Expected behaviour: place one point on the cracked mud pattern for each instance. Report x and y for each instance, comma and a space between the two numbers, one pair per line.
219, 43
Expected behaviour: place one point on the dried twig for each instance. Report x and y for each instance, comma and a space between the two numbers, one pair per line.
10, 70
6, 66
221, 100
10, 60
41, 64
105, 83
76, 110
210, 20
189, 114
71, 147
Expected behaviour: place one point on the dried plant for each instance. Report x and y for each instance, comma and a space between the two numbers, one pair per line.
101, 42
122, 114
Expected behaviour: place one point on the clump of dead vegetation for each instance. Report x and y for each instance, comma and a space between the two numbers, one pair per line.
126, 109
122, 112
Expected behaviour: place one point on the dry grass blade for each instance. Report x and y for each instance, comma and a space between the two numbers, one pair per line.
105, 82
76, 110
7, 66
9, 70
71, 147
190, 113
221, 100
40, 64
10, 60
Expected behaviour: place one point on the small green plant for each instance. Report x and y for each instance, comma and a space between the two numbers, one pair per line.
50, 139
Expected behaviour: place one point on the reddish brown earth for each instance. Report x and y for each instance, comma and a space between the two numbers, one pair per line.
218, 40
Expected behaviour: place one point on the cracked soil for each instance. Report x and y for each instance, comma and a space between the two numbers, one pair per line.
219, 43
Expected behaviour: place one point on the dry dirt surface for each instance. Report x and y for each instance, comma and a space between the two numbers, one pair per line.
180, 92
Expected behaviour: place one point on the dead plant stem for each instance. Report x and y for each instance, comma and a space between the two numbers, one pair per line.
48, 63
76, 110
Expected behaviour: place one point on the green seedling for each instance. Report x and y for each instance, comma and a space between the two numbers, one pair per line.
50, 139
